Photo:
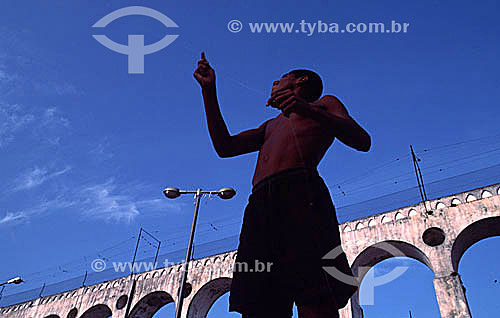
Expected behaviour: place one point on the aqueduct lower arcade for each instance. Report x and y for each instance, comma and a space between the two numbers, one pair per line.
437, 239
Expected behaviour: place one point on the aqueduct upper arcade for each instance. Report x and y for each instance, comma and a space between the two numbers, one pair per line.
437, 239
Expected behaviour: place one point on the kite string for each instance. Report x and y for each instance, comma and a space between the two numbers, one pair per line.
195, 54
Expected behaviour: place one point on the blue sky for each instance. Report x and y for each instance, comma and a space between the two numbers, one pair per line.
86, 148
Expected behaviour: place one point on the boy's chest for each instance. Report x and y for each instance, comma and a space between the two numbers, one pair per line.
282, 127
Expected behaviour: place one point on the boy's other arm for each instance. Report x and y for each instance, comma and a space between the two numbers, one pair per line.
329, 112
333, 114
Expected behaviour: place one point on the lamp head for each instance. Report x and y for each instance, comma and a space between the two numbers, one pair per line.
171, 192
226, 193
15, 280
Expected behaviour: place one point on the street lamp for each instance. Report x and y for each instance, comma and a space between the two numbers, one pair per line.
15, 280
172, 193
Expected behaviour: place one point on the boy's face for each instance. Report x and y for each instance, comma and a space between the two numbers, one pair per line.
286, 81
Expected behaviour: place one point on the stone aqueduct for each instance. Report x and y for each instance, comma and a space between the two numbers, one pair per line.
437, 239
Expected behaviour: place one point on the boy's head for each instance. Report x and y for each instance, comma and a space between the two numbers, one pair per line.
305, 83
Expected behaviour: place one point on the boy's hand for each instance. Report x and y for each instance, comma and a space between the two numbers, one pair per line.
204, 73
288, 102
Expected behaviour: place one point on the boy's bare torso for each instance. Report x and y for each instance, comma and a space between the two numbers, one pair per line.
291, 142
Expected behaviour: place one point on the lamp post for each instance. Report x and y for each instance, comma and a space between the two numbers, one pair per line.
15, 280
172, 193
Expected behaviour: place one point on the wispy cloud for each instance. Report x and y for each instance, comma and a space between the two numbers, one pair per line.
43, 207
3, 75
46, 125
13, 118
108, 201
101, 151
22, 71
11, 218
37, 176
51, 126
61, 89
51, 117
160, 205
105, 201
105, 204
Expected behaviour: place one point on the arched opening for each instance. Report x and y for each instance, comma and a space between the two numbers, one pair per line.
97, 311
150, 304
481, 277
412, 290
394, 259
470, 198
384, 250
167, 311
385, 219
472, 234
72, 313
473, 252
207, 295
220, 308
52, 316
486, 194
440, 205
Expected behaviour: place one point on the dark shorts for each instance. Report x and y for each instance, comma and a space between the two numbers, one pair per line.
289, 223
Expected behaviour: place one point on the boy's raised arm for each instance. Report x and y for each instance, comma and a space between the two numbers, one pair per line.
225, 145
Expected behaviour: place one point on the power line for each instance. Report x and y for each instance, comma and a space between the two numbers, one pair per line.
462, 142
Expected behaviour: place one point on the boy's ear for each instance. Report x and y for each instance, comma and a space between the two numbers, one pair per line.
301, 80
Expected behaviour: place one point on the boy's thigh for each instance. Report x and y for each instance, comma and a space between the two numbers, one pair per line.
317, 311
278, 306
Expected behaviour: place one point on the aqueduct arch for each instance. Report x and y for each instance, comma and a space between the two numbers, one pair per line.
97, 311
438, 239
377, 253
206, 296
472, 234
383, 250
148, 305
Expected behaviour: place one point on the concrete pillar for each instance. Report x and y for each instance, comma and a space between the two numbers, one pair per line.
450, 295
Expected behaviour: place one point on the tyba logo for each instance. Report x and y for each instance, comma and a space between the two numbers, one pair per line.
135, 48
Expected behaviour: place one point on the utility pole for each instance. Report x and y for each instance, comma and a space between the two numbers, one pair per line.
420, 179
135, 252
132, 289
157, 247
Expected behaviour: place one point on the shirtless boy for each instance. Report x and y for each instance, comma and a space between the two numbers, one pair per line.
290, 220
